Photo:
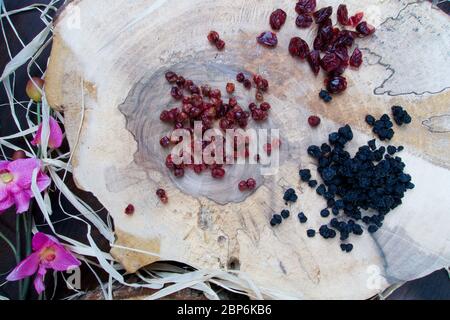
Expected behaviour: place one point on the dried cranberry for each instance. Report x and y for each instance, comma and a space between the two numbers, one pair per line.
304, 21
178, 172
220, 44
342, 53
165, 116
298, 47
242, 185
355, 19
188, 83
169, 162
259, 96
225, 124
336, 84
165, 141
326, 33
265, 106
230, 88
322, 14
206, 90
171, 77
268, 39
342, 15
129, 210
365, 29
356, 58
305, 6
314, 61
218, 173
240, 77
182, 116
313, 121
344, 38
252, 106
215, 93
213, 36
194, 112
176, 93
251, 184
247, 84
194, 89
277, 19
330, 62
263, 85
180, 81
161, 193
318, 43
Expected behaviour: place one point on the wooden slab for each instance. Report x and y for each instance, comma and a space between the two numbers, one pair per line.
105, 73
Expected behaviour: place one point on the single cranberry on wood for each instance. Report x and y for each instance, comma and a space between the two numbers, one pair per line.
304, 20
171, 77
314, 61
313, 121
251, 184
305, 6
365, 29
213, 36
342, 15
129, 210
336, 84
268, 39
356, 58
230, 87
220, 44
298, 47
240, 77
242, 185
277, 19
322, 14
161, 193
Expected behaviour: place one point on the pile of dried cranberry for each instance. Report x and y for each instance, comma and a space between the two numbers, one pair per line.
205, 104
331, 45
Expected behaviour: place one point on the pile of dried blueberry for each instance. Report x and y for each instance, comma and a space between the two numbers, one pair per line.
358, 190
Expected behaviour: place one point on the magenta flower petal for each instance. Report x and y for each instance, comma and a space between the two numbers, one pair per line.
22, 170
41, 240
55, 138
6, 203
39, 280
64, 260
26, 268
3, 192
22, 201
42, 181
4, 165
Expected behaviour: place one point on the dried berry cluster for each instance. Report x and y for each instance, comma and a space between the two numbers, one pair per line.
331, 45
205, 104
214, 38
371, 180
401, 116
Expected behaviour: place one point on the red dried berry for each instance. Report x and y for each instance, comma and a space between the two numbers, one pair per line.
220, 44
171, 77
213, 36
265, 106
178, 172
206, 90
330, 62
247, 84
323, 14
218, 173
215, 93
252, 106
298, 47
268, 39
176, 93
336, 84
277, 19
251, 184
161, 193
164, 142
304, 21
355, 19
230, 88
129, 210
319, 43
169, 162
194, 89
180, 82
356, 58
313, 121
314, 61
259, 96
342, 15
242, 186
240, 77
365, 29
305, 6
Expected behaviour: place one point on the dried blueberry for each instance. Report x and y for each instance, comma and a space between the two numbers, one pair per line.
305, 175
310, 233
312, 183
302, 218
285, 214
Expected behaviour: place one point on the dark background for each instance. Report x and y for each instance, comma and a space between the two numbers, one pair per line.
28, 25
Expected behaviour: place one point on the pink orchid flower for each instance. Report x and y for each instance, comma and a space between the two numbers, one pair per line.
15, 183
48, 253
55, 138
